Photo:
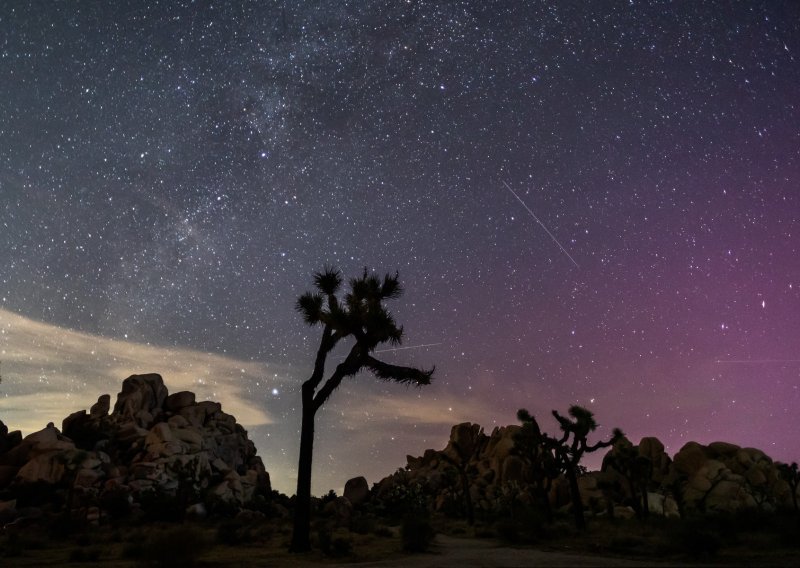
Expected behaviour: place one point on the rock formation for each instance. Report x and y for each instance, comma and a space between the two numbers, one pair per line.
356, 490
725, 477
492, 468
720, 477
153, 448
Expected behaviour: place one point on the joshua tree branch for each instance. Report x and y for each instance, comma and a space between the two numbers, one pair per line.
350, 366
407, 375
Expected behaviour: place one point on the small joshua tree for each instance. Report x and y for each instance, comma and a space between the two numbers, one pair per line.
637, 471
565, 451
537, 449
572, 445
465, 454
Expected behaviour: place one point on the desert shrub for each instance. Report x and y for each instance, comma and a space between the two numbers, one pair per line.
11, 547
265, 531
452, 506
327, 498
341, 546
84, 555
38, 494
788, 530
416, 533
31, 541
160, 507
363, 524
134, 549
402, 500
64, 526
17, 542
698, 540
230, 532
324, 537
485, 532
218, 507
528, 525
262, 504
175, 547
508, 530
625, 542
334, 543
116, 502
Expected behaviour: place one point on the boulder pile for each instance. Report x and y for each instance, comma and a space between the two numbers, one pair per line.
493, 471
719, 477
726, 477
152, 448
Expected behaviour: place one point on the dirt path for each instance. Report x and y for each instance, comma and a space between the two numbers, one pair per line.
474, 553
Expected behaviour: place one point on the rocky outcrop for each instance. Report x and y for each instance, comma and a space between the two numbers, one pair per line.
152, 447
8, 441
700, 479
488, 462
630, 474
356, 490
725, 477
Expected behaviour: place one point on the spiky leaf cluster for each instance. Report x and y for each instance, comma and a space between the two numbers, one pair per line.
362, 314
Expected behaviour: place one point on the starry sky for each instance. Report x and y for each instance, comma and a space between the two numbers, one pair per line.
587, 202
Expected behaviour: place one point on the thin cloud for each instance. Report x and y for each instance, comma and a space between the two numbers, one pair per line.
50, 372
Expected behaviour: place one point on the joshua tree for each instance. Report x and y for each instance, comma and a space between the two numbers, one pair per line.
674, 484
362, 318
637, 471
537, 448
572, 445
556, 455
465, 453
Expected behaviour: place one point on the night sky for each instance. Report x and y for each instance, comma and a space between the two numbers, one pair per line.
587, 202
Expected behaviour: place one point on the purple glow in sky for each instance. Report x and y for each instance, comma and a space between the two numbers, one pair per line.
593, 203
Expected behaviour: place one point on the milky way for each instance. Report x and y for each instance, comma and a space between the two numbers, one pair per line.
172, 173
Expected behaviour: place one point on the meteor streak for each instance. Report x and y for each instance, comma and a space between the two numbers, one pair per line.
528, 209
409, 347
757, 361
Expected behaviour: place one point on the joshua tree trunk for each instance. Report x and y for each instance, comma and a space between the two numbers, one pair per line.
645, 501
636, 498
301, 541
544, 499
577, 502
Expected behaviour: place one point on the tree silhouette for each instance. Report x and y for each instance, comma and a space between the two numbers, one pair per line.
636, 469
572, 446
537, 449
556, 455
674, 485
465, 454
362, 318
